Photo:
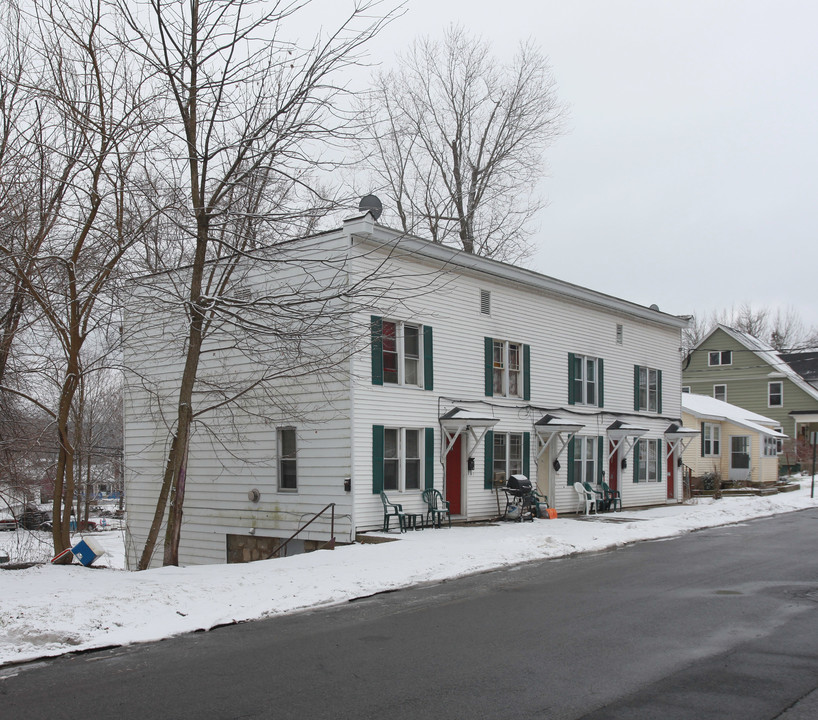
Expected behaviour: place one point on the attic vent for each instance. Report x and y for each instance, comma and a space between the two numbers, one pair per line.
619, 333
485, 302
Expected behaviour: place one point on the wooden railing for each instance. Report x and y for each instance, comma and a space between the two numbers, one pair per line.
328, 544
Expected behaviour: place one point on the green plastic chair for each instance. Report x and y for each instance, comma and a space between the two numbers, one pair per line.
612, 497
437, 508
391, 510
600, 502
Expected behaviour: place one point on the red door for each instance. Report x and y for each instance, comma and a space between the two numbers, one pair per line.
671, 477
453, 477
613, 470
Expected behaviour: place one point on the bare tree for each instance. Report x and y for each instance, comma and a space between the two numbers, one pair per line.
87, 112
248, 116
459, 141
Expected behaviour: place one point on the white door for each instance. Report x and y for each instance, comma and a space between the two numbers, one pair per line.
739, 458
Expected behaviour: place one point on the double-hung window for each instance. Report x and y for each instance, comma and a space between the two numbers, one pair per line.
583, 456
775, 394
401, 353
585, 380
401, 459
647, 461
720, 392
647, 389
770, 447
507, 369
711, 440
720, 357
287, 474
508, 455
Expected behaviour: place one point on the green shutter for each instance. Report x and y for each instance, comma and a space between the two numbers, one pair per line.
571, 398
428, 359
636, 461
601, 382
376, 331
571, 460
701, 442
526, 372
377, 459
489, 365
527, 454
636, 387
488, 460
600, 455
659, 390
429, 469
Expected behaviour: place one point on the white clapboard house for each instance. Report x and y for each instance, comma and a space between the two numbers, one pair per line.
458, 372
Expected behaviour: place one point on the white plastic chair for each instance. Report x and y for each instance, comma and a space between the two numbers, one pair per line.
584, 497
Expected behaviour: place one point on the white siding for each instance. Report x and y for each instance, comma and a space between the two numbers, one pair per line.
336, 414
233, 450
553, 327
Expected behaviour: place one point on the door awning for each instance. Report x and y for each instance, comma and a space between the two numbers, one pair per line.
623, 437
457, 422
551, 430
680, 437
457, 417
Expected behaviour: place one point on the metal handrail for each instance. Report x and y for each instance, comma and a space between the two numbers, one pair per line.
330, 542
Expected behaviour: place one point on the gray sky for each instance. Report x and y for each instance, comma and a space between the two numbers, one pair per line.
688, 175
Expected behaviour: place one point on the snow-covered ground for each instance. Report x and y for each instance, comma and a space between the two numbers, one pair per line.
48, 610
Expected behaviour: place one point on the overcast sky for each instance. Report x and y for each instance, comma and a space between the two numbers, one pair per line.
688, 175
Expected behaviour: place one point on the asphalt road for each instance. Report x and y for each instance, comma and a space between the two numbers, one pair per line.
717, 624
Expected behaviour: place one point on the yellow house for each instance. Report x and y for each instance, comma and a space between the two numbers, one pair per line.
740, 445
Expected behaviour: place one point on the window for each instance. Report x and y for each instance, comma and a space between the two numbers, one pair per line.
647, 461
686, 389
401, 459
711, 440
287, 477
508, 454
771, 446
620, 331
775, 394
584, 462
720, 392
401, 353
584, 380
647, 389
507, 369
720, 357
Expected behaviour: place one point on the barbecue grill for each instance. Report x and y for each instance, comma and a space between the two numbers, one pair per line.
520, 500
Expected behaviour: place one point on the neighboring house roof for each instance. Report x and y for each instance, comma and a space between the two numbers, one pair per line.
768, 354
708, 408
804, 363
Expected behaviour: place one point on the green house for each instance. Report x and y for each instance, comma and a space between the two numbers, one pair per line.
737, 368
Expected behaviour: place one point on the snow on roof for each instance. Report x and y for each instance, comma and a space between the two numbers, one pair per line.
703, 406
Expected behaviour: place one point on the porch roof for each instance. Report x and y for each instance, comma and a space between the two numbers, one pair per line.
458, 418
618, 430
549, 424
674, 432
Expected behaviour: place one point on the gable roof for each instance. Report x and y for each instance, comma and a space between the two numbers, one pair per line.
402, 244
766, 353
708, 408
